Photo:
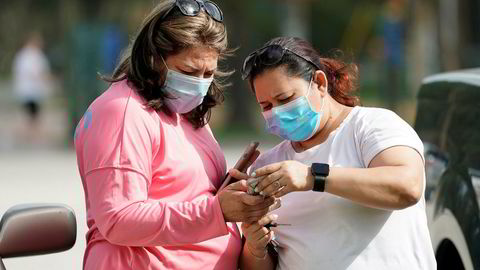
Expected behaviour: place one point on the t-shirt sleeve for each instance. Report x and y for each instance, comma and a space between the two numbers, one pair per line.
380, 129
118, 142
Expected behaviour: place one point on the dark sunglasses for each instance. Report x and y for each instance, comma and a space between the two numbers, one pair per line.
268, 55
193, 7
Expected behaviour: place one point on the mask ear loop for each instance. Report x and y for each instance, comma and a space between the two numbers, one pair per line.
165, 63
308, 93
319, 112
166, 66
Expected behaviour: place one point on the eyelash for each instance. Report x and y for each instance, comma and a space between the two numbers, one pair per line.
267, 108
285, 99
187, 73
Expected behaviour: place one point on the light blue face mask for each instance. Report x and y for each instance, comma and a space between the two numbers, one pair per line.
294, 121
187, 92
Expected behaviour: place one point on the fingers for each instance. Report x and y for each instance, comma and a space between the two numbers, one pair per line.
267, 202
275, 187
276, 205
237, 174
259, 234
272, 218
259, 201
238, 186
257, 247
267, 181
255, 215
282, 192
256, 230
269, 169
250, 228
263, 241
258, 242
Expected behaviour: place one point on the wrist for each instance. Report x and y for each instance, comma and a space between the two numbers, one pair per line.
221, 201
257, 254
310, 179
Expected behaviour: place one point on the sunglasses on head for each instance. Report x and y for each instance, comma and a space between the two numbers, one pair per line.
193, 8
268, 56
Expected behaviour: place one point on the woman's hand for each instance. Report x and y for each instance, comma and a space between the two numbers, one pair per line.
282, 178
258, 236
238, 206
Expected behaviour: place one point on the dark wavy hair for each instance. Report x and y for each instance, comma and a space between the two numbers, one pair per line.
341, 76
161, 37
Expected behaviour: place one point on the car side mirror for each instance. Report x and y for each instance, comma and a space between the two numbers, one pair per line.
36, 229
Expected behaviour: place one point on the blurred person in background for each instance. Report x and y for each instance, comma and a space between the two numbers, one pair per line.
351, 178
149, 163
32, 80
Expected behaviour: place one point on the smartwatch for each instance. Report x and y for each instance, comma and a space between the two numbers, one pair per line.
320, 172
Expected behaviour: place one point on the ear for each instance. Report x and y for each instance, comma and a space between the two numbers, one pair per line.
320, 79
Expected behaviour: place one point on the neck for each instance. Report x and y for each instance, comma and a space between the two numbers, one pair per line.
332, 120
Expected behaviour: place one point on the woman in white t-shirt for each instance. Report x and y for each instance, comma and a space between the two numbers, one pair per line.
351, 178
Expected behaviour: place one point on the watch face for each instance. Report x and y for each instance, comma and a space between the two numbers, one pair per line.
320, 169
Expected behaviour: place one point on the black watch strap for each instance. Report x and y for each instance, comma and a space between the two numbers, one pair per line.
320, 171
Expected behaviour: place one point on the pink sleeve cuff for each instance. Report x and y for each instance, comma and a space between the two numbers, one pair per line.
217, 209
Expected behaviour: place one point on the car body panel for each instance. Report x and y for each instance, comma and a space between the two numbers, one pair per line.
448, 122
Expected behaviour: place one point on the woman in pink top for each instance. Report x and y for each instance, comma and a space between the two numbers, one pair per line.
149, 164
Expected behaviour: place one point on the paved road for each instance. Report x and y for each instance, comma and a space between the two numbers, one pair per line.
51, 176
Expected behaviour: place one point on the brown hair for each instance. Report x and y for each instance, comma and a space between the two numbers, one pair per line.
341, 76
161, 37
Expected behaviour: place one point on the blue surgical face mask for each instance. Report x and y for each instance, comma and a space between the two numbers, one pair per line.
187, 92
294, 121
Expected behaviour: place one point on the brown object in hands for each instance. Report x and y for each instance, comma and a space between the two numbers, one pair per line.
242, 164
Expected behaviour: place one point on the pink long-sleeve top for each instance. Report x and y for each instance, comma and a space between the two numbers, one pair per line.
149, 182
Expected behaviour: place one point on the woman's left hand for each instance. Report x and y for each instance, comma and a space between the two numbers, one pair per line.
282, 178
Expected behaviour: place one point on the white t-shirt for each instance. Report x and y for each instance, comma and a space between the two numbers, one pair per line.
329, 232
30, 74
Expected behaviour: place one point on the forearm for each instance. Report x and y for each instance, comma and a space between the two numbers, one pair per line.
249, 261
387, 187
125, 216
154, 223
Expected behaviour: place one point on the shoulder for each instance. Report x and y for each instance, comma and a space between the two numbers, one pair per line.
272, 155
369, 119
367, 114
120, 102
117, 130
377, 129
117, 110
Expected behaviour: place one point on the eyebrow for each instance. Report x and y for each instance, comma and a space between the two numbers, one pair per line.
196, 69
278, 95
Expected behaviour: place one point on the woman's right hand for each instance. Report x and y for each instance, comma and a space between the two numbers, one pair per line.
258, 236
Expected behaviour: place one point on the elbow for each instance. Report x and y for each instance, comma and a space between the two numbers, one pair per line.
110, 229
115, 239
409, 197
410, 192
109, 234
